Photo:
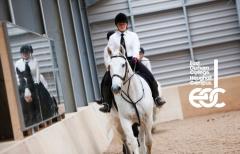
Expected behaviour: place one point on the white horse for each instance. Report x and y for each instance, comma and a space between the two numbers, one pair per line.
131, 90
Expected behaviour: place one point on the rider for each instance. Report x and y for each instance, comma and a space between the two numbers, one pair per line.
129, 40
144, 60
31, 111
26, 57
107, 95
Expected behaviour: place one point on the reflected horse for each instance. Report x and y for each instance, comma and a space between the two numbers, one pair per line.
29, 101
37, 104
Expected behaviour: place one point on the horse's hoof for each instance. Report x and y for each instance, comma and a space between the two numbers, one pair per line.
154, 130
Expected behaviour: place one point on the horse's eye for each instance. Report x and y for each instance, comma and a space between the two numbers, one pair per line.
123, 65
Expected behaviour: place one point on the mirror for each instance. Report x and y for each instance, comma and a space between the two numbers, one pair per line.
37, 75
5, 122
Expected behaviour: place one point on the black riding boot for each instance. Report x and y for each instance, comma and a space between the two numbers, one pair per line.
143, 71
107, 95
155, 93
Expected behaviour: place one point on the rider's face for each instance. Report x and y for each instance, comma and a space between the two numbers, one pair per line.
122, 26
25, 55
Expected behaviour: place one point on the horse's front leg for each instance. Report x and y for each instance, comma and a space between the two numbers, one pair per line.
120, 132
131, 140
141, 138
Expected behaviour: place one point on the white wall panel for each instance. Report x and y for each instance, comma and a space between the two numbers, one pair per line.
99, 38
163, 31
213, 23
146, 6
106, 10
170, 68
228, 55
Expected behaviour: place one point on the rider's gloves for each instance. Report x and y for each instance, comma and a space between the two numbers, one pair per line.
134, 60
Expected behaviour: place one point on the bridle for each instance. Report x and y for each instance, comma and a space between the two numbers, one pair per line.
126, 69
125, 95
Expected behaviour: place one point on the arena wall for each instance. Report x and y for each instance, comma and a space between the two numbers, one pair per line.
88, 130
230, 97
85, 131
178, 106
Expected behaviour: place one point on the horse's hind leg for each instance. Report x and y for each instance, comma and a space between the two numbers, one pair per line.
156, 111
131, 140
148, 133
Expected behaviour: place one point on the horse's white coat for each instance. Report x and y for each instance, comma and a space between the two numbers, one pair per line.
126, 112
27, 93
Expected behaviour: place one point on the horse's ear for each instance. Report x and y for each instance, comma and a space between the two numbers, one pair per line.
109, 51
18, 72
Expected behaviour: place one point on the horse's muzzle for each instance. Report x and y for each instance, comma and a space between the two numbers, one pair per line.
116, 89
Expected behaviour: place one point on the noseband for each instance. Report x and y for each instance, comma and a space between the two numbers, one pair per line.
126, 68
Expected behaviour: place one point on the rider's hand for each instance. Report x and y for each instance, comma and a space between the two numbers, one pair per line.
134, 60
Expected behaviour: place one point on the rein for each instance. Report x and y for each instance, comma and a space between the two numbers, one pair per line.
125, 95
128, 99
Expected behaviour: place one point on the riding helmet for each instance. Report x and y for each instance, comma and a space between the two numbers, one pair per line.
26, 48
142, 50
121, 18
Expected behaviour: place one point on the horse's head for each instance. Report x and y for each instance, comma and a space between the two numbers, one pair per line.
26, 83
119, 68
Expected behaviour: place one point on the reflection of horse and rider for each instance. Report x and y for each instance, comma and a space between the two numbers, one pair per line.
130, 41
36, 102
130, 85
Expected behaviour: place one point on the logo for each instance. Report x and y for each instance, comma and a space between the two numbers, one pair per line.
204, 97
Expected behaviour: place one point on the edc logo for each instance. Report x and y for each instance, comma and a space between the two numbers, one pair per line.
207, 97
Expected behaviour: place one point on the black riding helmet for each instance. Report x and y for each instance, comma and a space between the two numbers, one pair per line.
121, 18
26, 48
141, 50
